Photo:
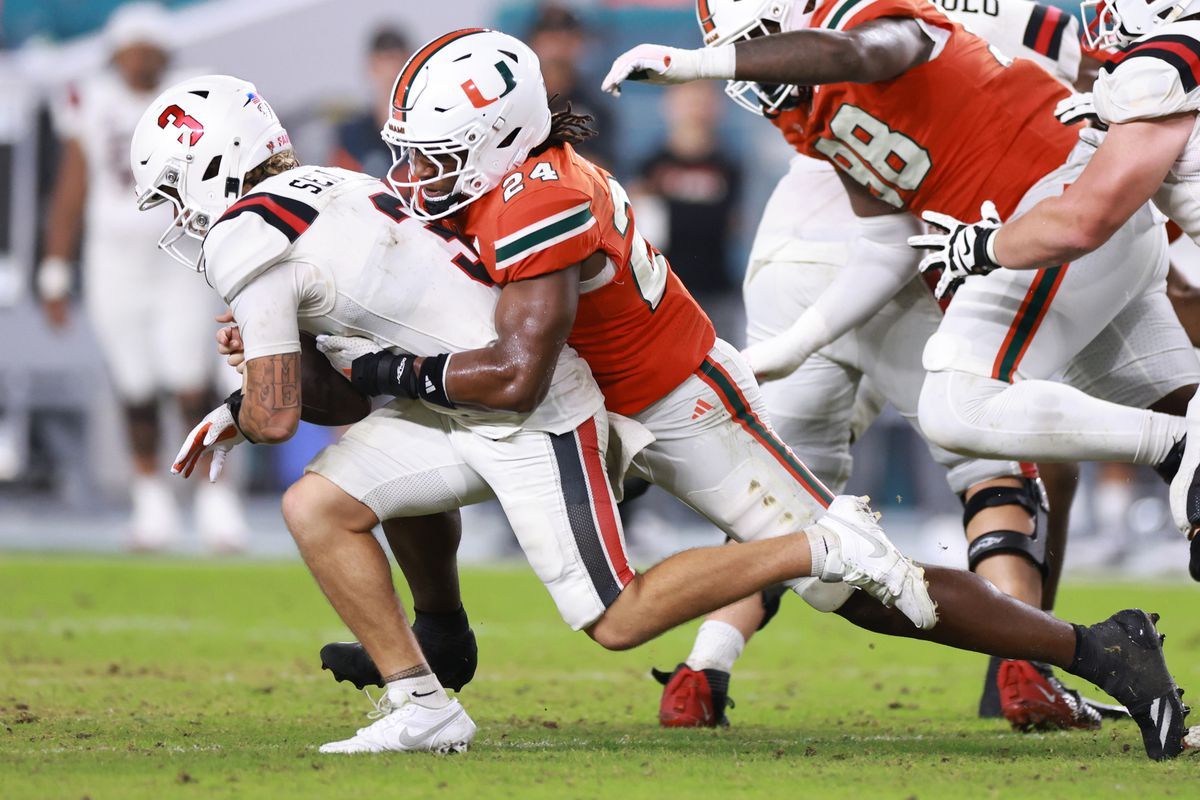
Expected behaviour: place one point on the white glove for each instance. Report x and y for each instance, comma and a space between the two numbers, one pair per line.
342, 350
656, 63
216, 432
961, 250
1078, 108
780, 356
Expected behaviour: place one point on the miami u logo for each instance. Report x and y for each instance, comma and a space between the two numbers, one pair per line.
476, 97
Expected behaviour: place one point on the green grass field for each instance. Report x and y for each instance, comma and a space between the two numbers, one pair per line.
135, 678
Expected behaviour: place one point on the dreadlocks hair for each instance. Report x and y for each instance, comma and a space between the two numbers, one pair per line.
276, 164
566, 127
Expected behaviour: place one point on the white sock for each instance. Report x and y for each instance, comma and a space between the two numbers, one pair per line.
718, 645
424, 690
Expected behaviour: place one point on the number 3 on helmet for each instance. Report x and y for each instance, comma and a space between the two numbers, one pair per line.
192, 148
472, 104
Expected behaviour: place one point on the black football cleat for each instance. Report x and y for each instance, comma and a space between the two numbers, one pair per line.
1123, 656
1194, 558
453, 657
693, 698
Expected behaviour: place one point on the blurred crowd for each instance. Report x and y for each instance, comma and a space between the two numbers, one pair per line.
698, 176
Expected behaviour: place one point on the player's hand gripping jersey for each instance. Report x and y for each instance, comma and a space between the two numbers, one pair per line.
327, 250
637, 327
1156, 76
967, 126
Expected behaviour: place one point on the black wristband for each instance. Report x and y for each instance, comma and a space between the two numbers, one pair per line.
982, 260
432, 383
234, 401
385, 372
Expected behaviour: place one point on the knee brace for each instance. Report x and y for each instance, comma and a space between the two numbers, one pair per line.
1029, 496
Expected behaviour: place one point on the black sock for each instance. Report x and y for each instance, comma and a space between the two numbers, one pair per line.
442, 623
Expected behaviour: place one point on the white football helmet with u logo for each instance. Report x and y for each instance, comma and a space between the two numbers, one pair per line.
1118, 22
473, 103
192, 148
728, 21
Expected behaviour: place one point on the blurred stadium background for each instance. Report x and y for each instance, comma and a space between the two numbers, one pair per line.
702, 170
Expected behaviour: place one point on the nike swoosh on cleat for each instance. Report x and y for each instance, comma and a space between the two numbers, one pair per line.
1048, 695
428, 733
424, 694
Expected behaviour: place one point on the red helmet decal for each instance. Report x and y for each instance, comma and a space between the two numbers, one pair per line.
175, 115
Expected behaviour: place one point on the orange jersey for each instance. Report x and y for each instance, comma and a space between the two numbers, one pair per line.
964, 127
637, 327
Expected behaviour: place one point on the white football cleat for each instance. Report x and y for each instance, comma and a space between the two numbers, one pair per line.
410, 727
156, 521
219, 518
1185, 486
864, 557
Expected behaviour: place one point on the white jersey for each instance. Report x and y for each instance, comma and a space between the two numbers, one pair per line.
816, 209
1041, 33
100, 113
1156, 76
326, 250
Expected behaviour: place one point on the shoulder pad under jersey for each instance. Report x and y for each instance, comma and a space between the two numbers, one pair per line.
1155, 76
254, 233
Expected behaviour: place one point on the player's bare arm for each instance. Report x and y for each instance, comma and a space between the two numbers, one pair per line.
1124, 173
874, 51
533, 319
270, 411
63, 228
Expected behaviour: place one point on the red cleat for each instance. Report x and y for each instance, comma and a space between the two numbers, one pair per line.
693, 698
1031, 698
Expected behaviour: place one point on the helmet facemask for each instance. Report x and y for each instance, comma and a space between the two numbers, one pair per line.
184, 237
1117, 23
757, 98
453, 157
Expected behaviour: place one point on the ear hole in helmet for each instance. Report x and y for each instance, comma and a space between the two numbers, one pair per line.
508, 140
214, 166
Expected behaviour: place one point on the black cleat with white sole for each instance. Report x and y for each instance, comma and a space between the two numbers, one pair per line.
1123, 656
451, 653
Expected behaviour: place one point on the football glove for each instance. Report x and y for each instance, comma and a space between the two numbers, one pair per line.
1078, 108
343, 350
656, 63
218, 432
960, 250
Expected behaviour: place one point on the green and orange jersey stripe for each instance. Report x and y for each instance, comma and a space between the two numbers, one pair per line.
1027, 321
726, 388
419, 59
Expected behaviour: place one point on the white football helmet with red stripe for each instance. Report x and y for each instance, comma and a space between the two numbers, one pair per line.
729, 21
472, 102
1118, 22
192, 148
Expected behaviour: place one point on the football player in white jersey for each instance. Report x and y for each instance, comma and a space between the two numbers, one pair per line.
1146, 99
150, 322
803, 240
330, 252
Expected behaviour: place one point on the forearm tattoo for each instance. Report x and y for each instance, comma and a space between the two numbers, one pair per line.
412, 672
273, 384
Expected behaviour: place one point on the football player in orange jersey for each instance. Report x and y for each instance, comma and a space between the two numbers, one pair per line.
1146, 99
803, 240
475, 143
